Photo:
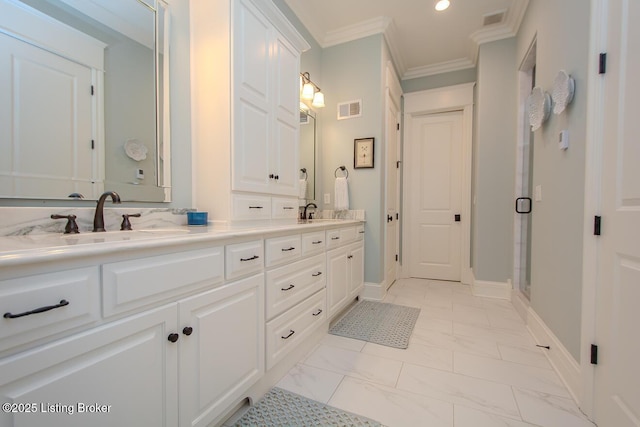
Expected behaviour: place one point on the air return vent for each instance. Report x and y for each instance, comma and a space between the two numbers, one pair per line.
350, 109
493, 18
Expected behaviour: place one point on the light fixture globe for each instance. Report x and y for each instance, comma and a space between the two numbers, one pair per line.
318, 100
442, 5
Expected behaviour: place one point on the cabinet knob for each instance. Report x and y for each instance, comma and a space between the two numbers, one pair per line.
187, 330
173, 337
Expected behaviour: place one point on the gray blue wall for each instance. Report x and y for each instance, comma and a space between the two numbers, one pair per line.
562, 31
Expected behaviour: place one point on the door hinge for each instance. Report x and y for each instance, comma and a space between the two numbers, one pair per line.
93, 144
92, 90
397, 126
602, 63
594, 354
597, 225
396, 257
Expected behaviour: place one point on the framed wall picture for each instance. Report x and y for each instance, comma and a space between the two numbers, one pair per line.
363, 153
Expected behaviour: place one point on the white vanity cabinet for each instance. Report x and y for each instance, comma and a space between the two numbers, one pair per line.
345, 268
127, 368
221, 348
245, 103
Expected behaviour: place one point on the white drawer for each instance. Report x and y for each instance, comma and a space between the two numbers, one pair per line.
284, 208
58, 301
283, 249
293, 326
288, 285
244, 258
250, 207
129, 285
359, 232
341, 236
313, 243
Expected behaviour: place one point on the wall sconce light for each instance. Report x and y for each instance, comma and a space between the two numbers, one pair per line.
310, 91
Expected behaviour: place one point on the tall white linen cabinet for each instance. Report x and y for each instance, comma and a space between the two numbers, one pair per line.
245, 64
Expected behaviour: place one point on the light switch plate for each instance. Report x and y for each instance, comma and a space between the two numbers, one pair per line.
538, 193
327, 198
563, 140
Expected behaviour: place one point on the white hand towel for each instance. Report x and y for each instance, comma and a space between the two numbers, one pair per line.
341, 194
302, 189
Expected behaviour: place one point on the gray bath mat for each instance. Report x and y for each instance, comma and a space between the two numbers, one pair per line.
279, 408
378, 322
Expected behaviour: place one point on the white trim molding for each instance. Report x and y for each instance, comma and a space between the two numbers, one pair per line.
487, 289
561, 360
374, 291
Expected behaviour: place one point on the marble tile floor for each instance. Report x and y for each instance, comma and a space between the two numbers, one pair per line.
471, 362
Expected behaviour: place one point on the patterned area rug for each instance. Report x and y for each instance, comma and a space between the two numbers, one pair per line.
280, 408
378, 322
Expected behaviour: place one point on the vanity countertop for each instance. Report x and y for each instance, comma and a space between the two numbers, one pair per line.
30, 248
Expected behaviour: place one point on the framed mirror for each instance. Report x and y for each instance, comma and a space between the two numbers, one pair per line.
307, 156
89, 106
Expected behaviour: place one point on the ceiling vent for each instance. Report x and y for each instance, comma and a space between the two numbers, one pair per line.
494, 18
350, 109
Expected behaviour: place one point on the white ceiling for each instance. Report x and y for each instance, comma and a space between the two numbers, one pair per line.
422, 41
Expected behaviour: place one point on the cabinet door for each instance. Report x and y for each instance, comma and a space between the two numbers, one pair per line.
286, 108
127, 368
338, 277
356, 267
252, 100
223, 355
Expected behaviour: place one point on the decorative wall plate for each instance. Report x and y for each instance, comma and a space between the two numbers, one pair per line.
563, 89
539, 107
136, 150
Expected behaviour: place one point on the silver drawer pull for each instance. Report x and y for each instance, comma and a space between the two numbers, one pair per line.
287, 207
317, 313
335, 238
249, 259
256, 207
291, 332
317, 242
288, 249
317, 274
289, 288
62, 303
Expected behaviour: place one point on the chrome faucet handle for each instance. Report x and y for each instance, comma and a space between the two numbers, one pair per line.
126, 224
72, 225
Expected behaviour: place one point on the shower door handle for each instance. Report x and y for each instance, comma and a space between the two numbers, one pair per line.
518, 205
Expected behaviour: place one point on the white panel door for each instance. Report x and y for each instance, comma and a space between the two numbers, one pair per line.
391, 242
435, 200
45, 108
617, 377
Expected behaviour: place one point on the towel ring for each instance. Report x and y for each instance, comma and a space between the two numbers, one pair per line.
304, 171
342, 168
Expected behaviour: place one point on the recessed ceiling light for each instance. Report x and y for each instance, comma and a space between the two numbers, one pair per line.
442, 5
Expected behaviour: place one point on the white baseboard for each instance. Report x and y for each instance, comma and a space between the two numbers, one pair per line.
520, 303
374, 291
562, 361
483, 288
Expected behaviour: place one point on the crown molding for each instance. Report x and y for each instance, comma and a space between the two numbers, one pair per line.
509, 28
442, 67
385, 25
356, 31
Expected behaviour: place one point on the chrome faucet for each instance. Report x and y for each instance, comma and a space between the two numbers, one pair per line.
98, 218
304, 214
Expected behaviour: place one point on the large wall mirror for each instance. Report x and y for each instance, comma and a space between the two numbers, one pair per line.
84, 99
307, 156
